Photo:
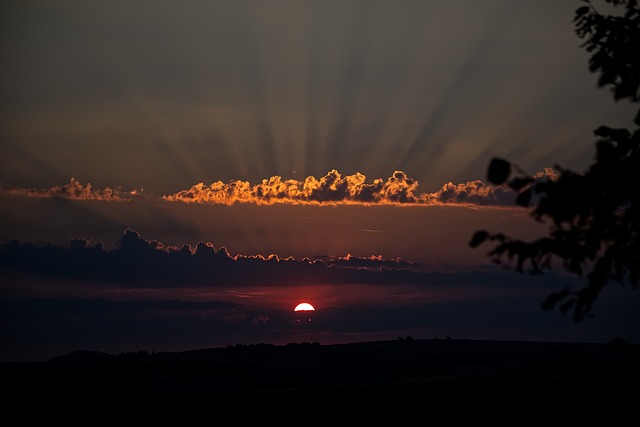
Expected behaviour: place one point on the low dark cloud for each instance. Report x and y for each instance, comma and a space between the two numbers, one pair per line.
370, 262
149, 263
137, 262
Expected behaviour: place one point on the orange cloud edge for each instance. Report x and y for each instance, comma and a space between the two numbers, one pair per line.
332, 189
336, 189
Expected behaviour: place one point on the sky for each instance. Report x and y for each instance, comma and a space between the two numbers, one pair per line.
180, 175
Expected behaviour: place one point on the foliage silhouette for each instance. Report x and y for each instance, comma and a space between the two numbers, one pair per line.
592, 217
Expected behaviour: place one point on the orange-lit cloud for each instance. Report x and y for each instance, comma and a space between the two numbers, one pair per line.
333, 189
75, 190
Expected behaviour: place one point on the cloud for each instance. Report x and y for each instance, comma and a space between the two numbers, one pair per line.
474, 193
333, 189
137, 262
373, 261
75, 190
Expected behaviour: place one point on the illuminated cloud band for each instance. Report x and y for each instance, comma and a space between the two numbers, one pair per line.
333, 189
75, 190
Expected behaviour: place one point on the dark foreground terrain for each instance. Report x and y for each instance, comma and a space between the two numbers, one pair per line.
418, 381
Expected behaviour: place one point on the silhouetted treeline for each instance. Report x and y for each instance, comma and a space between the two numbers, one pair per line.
395, 380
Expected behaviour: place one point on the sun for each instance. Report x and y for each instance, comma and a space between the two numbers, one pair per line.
304, 306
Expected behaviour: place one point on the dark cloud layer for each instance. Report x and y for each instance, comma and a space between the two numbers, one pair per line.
141, 262
137, 262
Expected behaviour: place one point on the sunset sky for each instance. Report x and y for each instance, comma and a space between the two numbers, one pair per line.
180, 175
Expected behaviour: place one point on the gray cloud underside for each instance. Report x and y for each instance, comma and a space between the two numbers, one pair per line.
141, 263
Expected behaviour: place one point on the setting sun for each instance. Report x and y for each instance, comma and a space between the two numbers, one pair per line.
304, 307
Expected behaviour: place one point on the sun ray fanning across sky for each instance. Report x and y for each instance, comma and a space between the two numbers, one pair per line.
192, 170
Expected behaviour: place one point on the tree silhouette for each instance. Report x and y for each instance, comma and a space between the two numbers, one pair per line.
593, 217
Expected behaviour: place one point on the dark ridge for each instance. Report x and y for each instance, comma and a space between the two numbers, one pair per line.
396, 380
80, 355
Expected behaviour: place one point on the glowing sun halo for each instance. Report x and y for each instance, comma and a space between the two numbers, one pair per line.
304, 306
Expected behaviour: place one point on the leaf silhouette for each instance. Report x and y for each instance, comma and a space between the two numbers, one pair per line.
499, 171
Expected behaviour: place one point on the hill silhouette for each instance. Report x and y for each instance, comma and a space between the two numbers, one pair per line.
392, 380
